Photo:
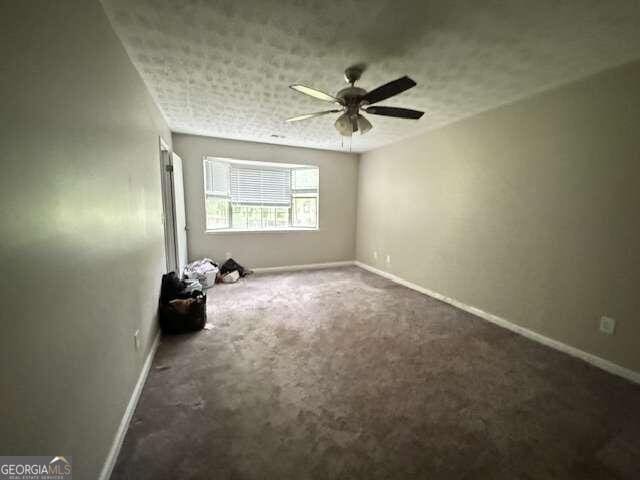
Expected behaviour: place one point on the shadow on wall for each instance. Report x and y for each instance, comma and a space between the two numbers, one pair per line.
70, 341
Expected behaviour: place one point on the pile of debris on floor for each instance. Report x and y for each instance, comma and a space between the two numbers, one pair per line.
183, 303
207, 273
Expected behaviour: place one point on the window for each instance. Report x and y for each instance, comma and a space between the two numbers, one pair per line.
242, 195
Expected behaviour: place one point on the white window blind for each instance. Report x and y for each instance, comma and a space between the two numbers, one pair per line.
250, 185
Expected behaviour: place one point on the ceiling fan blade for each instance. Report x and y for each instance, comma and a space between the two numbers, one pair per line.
388, 90
363, 125
310, 115
312, 92
395, 112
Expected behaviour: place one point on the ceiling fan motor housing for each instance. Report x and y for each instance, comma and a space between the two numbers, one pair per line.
350, 97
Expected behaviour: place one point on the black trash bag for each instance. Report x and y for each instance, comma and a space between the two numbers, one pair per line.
183, 315
231, 265
180, 311
172, 287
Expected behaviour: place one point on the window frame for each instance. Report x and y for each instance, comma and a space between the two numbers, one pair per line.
289, 228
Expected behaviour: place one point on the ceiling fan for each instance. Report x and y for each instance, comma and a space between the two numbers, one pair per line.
353, 99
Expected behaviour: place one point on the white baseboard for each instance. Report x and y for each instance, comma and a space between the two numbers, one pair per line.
563, 347
110, 462
308, 266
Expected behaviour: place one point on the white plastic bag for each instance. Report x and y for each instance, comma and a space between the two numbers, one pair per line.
231, 277
192, 285
205, 271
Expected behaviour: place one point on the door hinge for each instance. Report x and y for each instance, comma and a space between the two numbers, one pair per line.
168, 168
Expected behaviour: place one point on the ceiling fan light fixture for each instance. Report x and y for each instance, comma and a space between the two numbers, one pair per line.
343, 125
363, 124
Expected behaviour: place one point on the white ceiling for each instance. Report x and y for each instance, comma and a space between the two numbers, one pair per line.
222, 68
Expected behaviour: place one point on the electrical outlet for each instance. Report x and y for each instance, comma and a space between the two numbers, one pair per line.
375, 255
388, 259
136, 340
607, 325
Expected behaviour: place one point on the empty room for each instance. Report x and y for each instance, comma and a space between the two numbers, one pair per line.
318, 239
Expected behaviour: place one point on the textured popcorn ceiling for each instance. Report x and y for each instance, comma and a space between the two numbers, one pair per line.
222, 68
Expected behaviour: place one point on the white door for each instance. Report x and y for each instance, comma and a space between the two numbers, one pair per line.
180, 218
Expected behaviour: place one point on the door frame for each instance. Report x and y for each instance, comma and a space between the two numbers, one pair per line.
168, 207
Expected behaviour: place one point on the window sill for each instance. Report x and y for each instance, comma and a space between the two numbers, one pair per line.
271, 230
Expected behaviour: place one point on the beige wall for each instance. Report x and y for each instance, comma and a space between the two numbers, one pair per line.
82, 239
529, 212
335, 240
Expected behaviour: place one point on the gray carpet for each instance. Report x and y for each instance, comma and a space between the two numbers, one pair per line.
340, 374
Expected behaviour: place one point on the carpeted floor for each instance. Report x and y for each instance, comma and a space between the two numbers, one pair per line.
341, 374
